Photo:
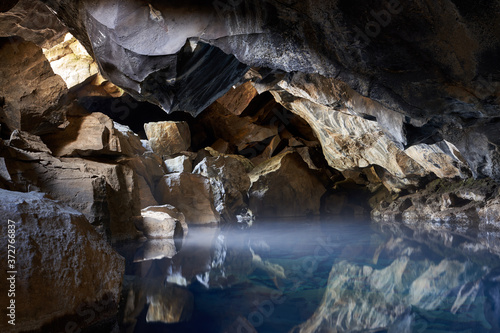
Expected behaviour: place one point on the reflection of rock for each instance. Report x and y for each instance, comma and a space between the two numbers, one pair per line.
285, 186
60, 257
154, 249
241, 324
411, 290
166, 303
168, 137
191, 194
162, 222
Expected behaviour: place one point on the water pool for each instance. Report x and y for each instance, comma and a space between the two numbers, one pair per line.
312, 276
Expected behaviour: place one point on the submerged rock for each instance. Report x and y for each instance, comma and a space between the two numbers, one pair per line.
284, 186
59, 256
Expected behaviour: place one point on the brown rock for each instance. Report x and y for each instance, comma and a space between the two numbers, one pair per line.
33, 98
284, 186
71, 61
93, 134
59, 256
106, 193
238, 98
162, 222
191, 194
28, 142
32, 21
238, 131
168, 137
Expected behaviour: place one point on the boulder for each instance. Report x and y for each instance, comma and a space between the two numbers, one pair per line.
145, 193
191, 194
162, 222
28, 142
93, 134
238, 98
230, 184
168, 137
178, 164
71, 61
59, 256
285, 186
106, 193
33, 100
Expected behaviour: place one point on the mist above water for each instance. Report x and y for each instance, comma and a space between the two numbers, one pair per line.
312, 276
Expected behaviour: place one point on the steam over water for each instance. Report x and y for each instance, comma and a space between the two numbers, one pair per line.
313, 276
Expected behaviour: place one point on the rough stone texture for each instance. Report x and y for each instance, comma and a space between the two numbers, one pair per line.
162, 222
71, 61
284, 186
425, 72
106, 193
93, 134
446, 204
238, 131
28, 142
59, 256
178, 164
33, 98
32, 21
191, 194
230, 184
237, 99
168, 137
351, 142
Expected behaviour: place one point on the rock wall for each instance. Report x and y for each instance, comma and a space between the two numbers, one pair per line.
64, 267
424, 72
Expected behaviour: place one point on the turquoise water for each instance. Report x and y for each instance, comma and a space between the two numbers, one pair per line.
313, 276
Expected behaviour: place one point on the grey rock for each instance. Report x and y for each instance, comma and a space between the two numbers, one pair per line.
59, 255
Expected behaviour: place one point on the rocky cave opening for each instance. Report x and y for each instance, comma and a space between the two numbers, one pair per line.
156, 155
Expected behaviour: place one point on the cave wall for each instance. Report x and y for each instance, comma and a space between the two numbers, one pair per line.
429, 67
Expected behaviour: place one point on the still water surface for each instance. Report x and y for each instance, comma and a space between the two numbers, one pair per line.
312, 276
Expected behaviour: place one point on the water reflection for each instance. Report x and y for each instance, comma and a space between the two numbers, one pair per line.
295, 276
